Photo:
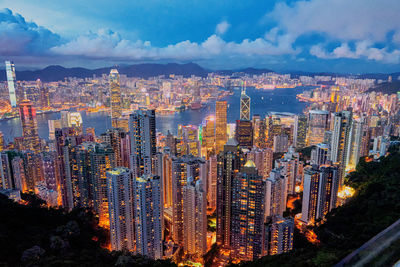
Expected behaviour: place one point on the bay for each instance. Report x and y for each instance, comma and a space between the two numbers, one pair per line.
262, 102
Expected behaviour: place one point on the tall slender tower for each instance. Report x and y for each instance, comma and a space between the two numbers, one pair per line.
244, 105
229, 163
195, 218
11, 81
116, 110
341, 138
29, 125
221, 136
120, 199
247, 220
148, 216
183, 168
142, 129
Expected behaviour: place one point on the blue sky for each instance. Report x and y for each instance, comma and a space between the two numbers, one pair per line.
354, 36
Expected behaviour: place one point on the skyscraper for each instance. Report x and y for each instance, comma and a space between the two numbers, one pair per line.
183, 168
115, 93
341, 137
121, 209
142, 129
2, 145
221, 135
319, 193
278, 235
247, 223
209, 137
29, 125
275, 193
229, 163
11, 81
244, 133
317, 125
300, 131
195, 218
244, 105
212, 182
148, 216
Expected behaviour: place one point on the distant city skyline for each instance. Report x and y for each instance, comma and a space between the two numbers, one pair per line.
330, 36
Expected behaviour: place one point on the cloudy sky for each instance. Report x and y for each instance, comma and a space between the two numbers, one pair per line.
354, 36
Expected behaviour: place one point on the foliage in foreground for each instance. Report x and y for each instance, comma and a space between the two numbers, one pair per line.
33, 235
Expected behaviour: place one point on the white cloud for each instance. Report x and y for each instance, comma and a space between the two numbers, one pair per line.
362, 50
108, 44
339, 19
222, 27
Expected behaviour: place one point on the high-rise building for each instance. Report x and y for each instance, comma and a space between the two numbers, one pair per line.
341, 137
208, 142
148, 216
278, 235
244, 133
29, 125
121, 209
195, 218
319, 193
5, 172
281, 143
275, 193
221, 135
2, 144
11, 81
263, 158
318, 123
300, 131
244, 106
43, 94
167, 180
117, 138
320, 154
183, 168
230, 161
212, 182
355, 143
115, 93
142, 129
248, 191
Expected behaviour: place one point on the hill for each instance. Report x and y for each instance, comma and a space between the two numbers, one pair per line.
386, 88
374, 207
33, 235
59, 73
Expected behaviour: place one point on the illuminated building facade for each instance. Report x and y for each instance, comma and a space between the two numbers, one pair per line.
341, 138
29, 125
244, 106
121, 209
278, 235
275, 193
221, 136
212, 182
317, 125
115, 93
209, 136
230, 161
148, 214
248, 191
300, 131
142, 129
244, 133
11, 82
195, 218
319, 193
183, 168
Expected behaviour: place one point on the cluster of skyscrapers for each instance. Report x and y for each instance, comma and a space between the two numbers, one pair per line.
156, 193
